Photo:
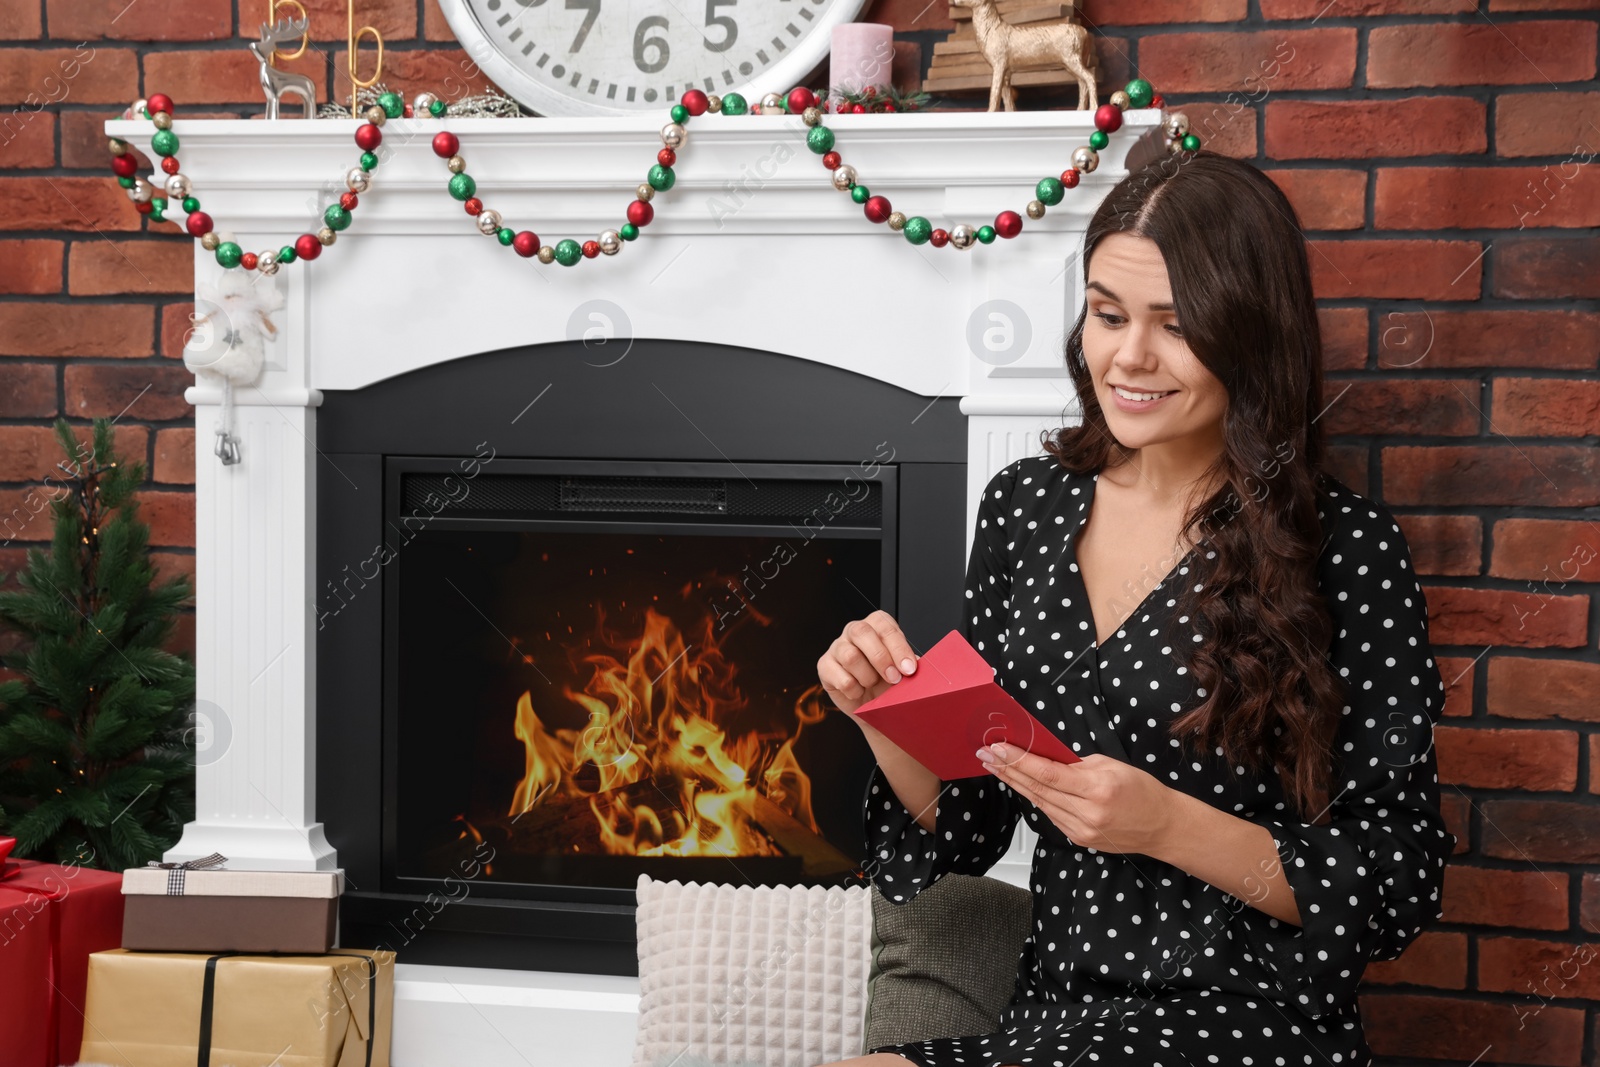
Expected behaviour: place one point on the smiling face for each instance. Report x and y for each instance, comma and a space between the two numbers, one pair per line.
1132, 338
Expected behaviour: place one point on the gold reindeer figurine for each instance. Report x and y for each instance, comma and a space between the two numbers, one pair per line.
274, 82
1005, 47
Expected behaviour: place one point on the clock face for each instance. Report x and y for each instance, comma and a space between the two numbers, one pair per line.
593, 57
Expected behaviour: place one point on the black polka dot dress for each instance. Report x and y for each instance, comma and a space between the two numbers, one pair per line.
1131, 960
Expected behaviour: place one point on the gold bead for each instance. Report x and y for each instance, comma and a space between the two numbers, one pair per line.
1035, 209
713, 103
771, 104
811, 115
644, 192
375, 115
547, 254
1121, 99
610, 242
118, 148
162, 120
673, 135
210, 241
456, 164
897, 220
326, 235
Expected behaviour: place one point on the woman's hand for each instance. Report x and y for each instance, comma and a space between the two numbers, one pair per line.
868, 657
1099, 802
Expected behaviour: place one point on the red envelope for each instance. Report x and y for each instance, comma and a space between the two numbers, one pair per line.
950, 707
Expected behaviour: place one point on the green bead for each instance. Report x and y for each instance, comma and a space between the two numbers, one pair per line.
917, 229
1098, 140
462, 186
336, 217
1050, 191
1190, 143
986, 234
126, 183
157, 206
228, 254
369, 160
164, 143
819, 139
734, 104
860, 194
506, 235
568, 252
190, 205
287, 254
437, 108
393, 105
628, 231
661, 178
1140, 92
680, 114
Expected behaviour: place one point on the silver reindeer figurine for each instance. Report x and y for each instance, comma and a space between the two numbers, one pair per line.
274, 82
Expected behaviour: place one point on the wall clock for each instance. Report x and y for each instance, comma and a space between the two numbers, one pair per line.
612, 57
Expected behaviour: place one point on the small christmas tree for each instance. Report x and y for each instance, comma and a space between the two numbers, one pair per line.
96, 765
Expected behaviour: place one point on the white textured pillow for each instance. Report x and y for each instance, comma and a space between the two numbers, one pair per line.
747, 976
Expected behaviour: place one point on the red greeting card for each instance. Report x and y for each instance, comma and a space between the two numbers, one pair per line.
952, 705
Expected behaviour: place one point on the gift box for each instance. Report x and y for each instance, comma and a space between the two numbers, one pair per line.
176, 909
169, 1009
52, 916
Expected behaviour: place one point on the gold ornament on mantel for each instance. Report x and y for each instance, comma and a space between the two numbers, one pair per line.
1001, 44
353, 60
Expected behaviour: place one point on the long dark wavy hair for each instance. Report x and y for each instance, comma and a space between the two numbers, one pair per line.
1241, 288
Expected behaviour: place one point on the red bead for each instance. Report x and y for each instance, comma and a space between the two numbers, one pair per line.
445, 144
368, 137
938, 238
1158, 101
591, 249
858, 109
526, 244
1069, 178
144, 207
125, 165
890, 107
696, 101
1108, 118
248, 261
159, 102
349, 201
666, 157
408, 113
1008, 224
877, 208
801, 98
169, 164
306, 246
640, 213
473, 205
832, 160
198, 224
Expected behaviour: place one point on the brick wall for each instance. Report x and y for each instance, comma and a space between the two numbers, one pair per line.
1439, 152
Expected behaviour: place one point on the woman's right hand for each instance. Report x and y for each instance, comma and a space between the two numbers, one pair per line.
869, 656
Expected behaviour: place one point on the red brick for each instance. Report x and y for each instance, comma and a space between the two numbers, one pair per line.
1545, 124
1433, 959
1250, 63
1594, 763
171, 565
1431, 1028
1444, 544
1371, 129
146, 391
83, 136
1541, 831
1473, 198
19, 20
1589, 910
30, 391
1458, 674
25, 513
1325, 199
30, 266
30, 453
1344, 337
1543, 268
1533, 760
1113, 13
1397, 270
229, 77
437, 28
86, 74
1553, 551
181, 643
1523, 688
1457, 812
175, 456
1470, 53
901, 14
98, 267
1548, 970
396, 20
1431, 406
171, 518
40, 329
1348, 463
176, 322
1546, 407
1543, 5
27, 140
1534, 900
1345, 9
1559, 340
1506, 617
50, 202
1522, 476
1226, 127
192, 20
447, 72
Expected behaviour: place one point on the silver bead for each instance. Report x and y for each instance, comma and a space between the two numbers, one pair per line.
137, 110
1177, 125
673, 135
267, 262
811, 115
357, 180
962, 236
420, 105
161, 120
1085, 159
610, 242
210, 241
844, 176
375, 115
488, 222
547, 254
457, 164
897, 220
140, 192
326, 236
772, 103
1175, 147
178, 186
644, 192
1035, 209
1122, 100
713, 103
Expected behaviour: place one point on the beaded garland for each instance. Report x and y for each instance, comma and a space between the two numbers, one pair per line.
1048, 192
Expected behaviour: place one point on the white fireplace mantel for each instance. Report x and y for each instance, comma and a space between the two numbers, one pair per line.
753, 247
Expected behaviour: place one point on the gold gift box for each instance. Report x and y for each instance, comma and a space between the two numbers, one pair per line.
157, 1009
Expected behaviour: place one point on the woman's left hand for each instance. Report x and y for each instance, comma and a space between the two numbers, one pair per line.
1098, 802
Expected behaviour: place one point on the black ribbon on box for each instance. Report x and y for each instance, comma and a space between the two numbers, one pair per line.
208, 999
176, 871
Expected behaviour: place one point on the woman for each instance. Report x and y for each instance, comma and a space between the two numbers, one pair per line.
1233, 641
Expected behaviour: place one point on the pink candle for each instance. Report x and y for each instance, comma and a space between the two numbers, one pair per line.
861, 55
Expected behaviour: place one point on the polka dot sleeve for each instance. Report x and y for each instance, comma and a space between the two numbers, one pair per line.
1368, 880
975, 817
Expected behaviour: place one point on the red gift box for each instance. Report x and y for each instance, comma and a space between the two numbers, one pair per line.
51, 918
